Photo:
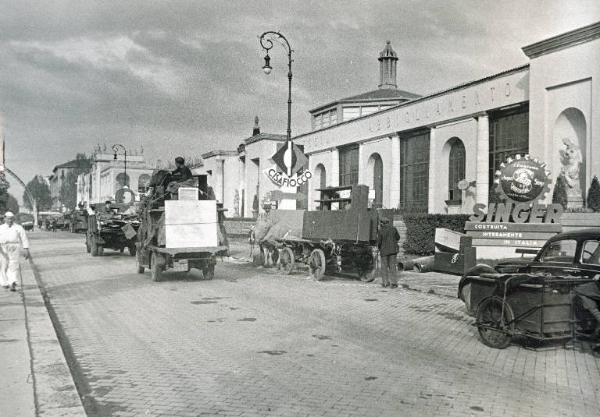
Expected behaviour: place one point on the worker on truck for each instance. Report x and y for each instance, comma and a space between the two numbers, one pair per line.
180, 177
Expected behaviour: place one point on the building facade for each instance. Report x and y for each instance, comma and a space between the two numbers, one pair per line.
414, 154
107, 175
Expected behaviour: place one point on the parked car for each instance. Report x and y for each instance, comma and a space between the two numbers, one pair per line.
572, 254
25, 220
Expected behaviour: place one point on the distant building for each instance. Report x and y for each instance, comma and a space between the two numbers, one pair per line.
236, 176
107, 175
59, 175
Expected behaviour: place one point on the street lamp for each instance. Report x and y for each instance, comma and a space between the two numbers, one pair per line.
116, 148
266, 41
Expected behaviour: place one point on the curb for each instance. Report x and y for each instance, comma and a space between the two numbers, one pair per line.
54, 388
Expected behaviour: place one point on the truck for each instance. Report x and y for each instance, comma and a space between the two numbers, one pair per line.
115, 230
180, 231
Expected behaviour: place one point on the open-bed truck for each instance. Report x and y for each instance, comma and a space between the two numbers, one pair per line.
179, 236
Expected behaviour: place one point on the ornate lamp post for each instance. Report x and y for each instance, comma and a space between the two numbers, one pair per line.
116, 148
266, 41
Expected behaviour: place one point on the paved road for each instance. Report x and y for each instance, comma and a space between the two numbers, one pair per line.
255, 343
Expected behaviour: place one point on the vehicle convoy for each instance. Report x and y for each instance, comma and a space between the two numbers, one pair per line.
536, 298
575, 254
78, 220
179, 234
111, 229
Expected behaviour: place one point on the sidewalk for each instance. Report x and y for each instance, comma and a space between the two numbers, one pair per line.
33, 371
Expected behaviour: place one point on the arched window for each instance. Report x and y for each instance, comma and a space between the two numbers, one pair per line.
143, 183
321, 174
456, 168
375, 166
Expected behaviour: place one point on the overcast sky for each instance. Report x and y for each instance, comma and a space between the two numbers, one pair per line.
185, 76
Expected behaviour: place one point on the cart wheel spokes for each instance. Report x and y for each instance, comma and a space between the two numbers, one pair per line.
317, 264
495, 323
286, 260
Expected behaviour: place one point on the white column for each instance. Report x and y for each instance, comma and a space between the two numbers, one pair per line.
362, 165
483, 159
334, 177
433, 192
394, 194
220, 180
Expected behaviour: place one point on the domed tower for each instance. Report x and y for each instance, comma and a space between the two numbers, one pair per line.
387, 67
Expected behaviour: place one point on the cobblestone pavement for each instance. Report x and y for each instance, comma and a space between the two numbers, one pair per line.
256, 343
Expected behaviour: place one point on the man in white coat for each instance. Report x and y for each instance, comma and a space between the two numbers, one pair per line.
12, 240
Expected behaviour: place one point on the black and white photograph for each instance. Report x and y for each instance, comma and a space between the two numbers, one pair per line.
299, 208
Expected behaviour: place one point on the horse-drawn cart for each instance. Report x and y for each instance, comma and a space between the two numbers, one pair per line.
339, 238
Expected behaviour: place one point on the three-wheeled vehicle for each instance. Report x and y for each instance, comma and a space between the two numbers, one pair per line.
179, 230
115, 230
541, 307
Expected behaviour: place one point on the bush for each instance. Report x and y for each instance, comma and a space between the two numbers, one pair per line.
420, 230
593, 196
559, 196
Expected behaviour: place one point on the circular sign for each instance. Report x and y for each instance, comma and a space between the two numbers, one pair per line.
522, 178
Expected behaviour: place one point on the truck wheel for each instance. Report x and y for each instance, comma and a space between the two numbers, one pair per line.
208, 272
156, 267
132, 250
286, 260
317, 264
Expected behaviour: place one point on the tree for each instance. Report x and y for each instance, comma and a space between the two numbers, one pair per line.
4, 185
12, 204
39, 189
559, 196
593, 196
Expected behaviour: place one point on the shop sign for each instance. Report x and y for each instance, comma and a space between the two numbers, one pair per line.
290, 169
522, 179
281, 179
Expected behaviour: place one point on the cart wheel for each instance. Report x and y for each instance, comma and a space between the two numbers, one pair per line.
286, 260
317, 264
495, 328
367, 276
208, 272
132, 250
156, 267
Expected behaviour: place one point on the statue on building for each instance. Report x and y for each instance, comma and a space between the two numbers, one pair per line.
571, 160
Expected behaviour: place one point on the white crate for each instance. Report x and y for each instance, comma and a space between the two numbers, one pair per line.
190, 224
187, 193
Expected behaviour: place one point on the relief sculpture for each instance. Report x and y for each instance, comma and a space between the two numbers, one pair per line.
571, 160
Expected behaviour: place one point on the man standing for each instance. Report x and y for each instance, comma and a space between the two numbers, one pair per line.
12, 239
387, 242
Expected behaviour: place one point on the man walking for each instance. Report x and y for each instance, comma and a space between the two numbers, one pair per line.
387, 242
12, 239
